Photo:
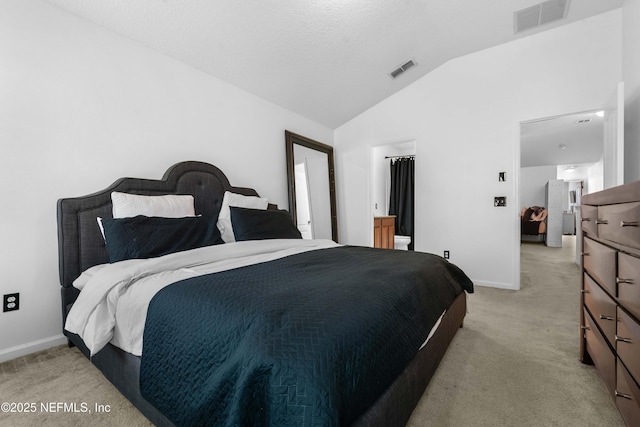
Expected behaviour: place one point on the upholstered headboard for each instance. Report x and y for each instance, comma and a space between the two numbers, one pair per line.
80, 243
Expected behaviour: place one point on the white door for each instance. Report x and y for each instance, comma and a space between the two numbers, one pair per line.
303, 202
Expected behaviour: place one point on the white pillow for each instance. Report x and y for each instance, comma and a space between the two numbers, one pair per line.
238, 201
100, 226
169, 206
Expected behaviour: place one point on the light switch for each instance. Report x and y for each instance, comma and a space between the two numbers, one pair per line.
500, 201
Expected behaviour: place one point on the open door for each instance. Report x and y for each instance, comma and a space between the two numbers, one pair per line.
613, 149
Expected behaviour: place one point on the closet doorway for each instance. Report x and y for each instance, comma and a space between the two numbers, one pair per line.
381, 191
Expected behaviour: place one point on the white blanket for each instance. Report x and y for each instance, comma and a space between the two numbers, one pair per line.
112, 306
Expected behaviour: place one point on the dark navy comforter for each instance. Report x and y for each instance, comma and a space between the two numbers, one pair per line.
307, 340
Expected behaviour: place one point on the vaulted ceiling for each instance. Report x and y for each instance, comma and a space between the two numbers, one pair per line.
327, 60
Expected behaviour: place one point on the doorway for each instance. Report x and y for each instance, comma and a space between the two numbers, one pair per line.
565, 153
606, 173
380, 179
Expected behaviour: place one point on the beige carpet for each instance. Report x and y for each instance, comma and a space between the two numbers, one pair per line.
58, 376
515, 363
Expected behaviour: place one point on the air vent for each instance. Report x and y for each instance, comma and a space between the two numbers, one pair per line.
540, 14
583, 121
404, 67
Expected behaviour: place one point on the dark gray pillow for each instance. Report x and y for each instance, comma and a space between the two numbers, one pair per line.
257, 224
148, 237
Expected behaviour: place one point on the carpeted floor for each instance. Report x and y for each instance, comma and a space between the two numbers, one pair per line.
515, 363
57, 376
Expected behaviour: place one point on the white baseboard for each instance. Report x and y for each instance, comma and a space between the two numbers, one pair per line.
31, 347
509, 286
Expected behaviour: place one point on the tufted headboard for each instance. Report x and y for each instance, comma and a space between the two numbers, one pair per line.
80, 243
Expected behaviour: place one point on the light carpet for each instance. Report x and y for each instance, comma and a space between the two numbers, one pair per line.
514, 363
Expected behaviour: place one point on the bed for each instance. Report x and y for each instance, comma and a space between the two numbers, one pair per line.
368, 385
533, 225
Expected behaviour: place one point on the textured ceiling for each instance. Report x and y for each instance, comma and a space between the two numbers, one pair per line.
327, 60
581, 134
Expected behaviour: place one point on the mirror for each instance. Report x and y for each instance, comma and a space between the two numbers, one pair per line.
312, 193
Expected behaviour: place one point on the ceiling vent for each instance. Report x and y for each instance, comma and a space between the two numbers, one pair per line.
401, 69
540, 14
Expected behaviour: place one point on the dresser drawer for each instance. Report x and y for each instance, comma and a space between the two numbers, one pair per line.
600, 353
602, 308
620, 223
627, 396
629, 283
600, 261
589, 215
628, 343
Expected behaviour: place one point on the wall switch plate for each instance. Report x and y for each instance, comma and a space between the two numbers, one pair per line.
500, 201
446, 254
10, 302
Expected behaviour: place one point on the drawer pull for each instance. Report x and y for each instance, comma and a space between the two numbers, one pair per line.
586, 219
602, 221
585, 328
622, 339
623, 395
628, 281
628, 223
584, 253
603, 317
585, 291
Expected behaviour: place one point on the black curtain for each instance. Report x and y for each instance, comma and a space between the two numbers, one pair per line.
402, 195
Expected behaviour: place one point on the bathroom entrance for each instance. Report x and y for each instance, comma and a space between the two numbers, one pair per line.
392, 192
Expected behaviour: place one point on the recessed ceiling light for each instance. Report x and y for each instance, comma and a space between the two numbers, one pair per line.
600, 113
562, 147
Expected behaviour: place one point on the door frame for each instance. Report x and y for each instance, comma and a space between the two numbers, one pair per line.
373, 147
619, 160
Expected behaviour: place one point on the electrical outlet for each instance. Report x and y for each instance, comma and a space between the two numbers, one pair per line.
446, 254
11, 302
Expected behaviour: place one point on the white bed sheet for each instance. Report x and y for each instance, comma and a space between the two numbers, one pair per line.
433, 330
112, 306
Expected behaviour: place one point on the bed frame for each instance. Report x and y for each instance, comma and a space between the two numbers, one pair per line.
81, 246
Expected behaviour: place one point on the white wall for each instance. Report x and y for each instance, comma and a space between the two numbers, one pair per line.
595, 180
532, 182
579, 173
81, 107
465, 117
631, 77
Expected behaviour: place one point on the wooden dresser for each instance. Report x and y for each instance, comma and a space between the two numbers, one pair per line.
384, 230
610, 295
